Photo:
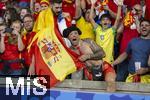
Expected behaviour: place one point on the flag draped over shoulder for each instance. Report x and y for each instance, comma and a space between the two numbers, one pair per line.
52, 57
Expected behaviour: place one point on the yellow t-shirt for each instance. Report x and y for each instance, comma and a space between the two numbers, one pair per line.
105, 39
86, 29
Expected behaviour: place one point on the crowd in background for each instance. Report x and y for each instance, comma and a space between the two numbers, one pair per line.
121, 30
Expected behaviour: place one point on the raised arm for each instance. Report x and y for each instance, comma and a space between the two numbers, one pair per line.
113, 14
91, 14
78, 9
83, 5
32, 5
20, 43
120, 3
119, 31
2, 44
137, 22
21, 46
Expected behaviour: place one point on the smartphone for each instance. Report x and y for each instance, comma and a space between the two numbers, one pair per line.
8, 30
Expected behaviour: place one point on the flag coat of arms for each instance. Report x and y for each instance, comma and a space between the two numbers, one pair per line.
52, 57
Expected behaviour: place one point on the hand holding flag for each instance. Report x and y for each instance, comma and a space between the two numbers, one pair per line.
52, 57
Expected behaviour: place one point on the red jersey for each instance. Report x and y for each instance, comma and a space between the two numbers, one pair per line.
131, 3
69, 8
11, 53
128, 35
113, 7
147, 12
35, 16
2, 8
2, 5
25, 54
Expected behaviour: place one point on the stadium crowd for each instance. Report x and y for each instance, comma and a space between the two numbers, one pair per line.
112, 37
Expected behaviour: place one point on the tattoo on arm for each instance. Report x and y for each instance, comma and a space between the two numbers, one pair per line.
98, 52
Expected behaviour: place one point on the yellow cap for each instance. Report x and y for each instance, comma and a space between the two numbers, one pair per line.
45, 2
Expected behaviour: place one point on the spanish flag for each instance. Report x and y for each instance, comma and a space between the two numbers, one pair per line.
100, 4
128, 19
52, 57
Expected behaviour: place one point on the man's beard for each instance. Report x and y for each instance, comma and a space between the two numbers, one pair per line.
30, 30
145, 35
56, 13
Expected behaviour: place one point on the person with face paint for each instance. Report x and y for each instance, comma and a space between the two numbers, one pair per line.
139, 51
105, 33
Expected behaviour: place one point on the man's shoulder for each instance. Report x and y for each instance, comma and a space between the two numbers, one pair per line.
135, 39
87, 40
139, 40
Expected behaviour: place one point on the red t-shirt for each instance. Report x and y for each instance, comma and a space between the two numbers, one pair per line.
35, 16
2, 7
11, 53
113, 7
25, 54
69, 8
128, 35
131, 3
88, 5
147, 12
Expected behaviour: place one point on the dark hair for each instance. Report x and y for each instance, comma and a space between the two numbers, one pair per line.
105, 16
68, 30
3, 24
56, 1
28, 15
13, 14
145, 20
28, 10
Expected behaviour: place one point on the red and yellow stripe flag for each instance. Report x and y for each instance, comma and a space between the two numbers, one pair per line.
128, 19
51, 55
100, 4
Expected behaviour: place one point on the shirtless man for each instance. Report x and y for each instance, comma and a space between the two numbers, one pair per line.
90, 53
